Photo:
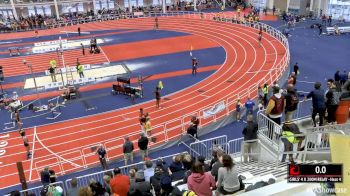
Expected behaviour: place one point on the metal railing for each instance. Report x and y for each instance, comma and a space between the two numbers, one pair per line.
37, 190
269, 130
205, 147
344, 128
316, 142
235, 147
98, 176
173, 129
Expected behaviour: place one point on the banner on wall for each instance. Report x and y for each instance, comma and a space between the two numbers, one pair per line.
214, 110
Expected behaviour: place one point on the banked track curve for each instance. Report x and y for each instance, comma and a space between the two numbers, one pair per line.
242, 55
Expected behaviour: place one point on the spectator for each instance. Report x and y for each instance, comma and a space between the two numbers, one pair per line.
52, 176
167, 189
128, 149
346, 86
238, 109
332, 102
85, 191
140, 187
120, 184
176, 168
249, 105
155, 180
106, 184
55, 190
161, 164
337, 80
201, 159
266, 92
149, 171
343, 77
292, 102
143, 146
216, 149
296, 69
45, 176
200, 182
102, 156
228, 182
250, 132
275, 108
292, 79
96, 188
289, 130
132, 173
318, 103
186, 161
215, 168
73, 190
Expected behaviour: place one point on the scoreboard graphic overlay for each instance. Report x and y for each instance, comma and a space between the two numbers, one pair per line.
315, 173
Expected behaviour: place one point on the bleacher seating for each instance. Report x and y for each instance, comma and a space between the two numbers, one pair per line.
331, 30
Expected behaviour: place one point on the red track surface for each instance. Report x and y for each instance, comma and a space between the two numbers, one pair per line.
245, 65
14, 66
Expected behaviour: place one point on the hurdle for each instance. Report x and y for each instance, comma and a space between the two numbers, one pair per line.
53, 110
12, 123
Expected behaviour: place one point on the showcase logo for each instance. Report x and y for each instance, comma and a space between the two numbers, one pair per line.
320, 190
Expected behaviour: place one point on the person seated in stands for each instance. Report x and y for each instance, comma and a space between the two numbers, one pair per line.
187, 161
155, 180
96, 187
216, 165
176, 168
166, 187
228, 182
140, 187
202, 183
149, 170
200, 159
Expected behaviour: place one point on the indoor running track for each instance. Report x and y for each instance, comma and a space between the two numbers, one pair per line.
66, 146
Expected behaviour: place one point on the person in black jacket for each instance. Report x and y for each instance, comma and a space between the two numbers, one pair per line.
250, 133
292, 101
332, 102
296, 69
45, 176
143, 146
155, 180
318, 103
102, 157
140, 187
128, 149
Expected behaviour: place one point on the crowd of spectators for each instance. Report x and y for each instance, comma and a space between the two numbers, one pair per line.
162, 179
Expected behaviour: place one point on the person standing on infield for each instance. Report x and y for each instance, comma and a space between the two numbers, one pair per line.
102, 157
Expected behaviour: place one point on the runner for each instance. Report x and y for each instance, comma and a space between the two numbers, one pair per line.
156, 26
260, 38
